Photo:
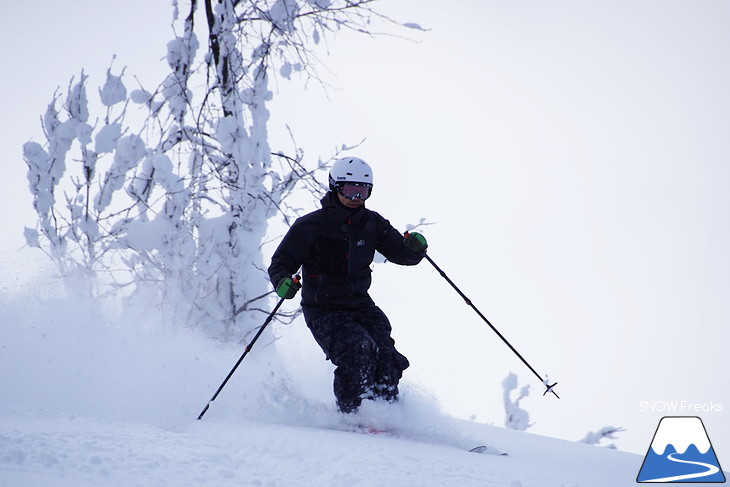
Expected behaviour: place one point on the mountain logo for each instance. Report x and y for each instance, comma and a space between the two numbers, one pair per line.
680, 452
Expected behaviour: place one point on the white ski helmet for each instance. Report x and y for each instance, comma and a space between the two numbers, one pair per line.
351, 170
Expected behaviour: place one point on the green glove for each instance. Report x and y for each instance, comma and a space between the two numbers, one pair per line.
416, 242
287, 287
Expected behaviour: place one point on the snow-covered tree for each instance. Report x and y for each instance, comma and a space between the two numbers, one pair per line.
516, 418
173, 205
607, 432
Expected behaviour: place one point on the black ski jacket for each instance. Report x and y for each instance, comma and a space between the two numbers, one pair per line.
336, 245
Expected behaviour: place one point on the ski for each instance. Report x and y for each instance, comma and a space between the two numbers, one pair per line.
485, 450
374, 430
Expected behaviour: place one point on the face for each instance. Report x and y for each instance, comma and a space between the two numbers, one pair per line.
357, 202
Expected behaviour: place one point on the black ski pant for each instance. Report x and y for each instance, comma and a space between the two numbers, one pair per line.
359, 343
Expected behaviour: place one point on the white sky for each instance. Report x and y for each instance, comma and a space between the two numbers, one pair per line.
573, 154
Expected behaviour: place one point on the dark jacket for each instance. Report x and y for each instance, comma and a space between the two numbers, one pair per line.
336, 245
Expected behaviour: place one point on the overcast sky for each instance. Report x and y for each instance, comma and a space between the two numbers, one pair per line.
573, 156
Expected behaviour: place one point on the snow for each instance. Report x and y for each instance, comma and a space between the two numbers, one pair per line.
106, 138
95, 395
680, 432
78, 105
319, 3
517, 418
147, 236
37, 159
607, 432
113, 91
110, 398
129, 151
44, 449
180, 53
283, 13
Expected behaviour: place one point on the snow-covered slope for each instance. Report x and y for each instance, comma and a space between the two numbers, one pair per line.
65, 450
89, 401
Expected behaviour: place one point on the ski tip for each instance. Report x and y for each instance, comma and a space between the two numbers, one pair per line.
371, 430
378, 431
485, 450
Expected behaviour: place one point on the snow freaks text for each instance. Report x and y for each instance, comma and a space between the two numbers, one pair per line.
680, 407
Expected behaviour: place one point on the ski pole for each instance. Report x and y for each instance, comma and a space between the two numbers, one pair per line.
549, 387
245, 352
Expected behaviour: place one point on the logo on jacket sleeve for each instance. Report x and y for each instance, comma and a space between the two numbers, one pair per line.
361, 242
680, 452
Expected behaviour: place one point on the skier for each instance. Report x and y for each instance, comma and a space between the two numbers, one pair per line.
336, 245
